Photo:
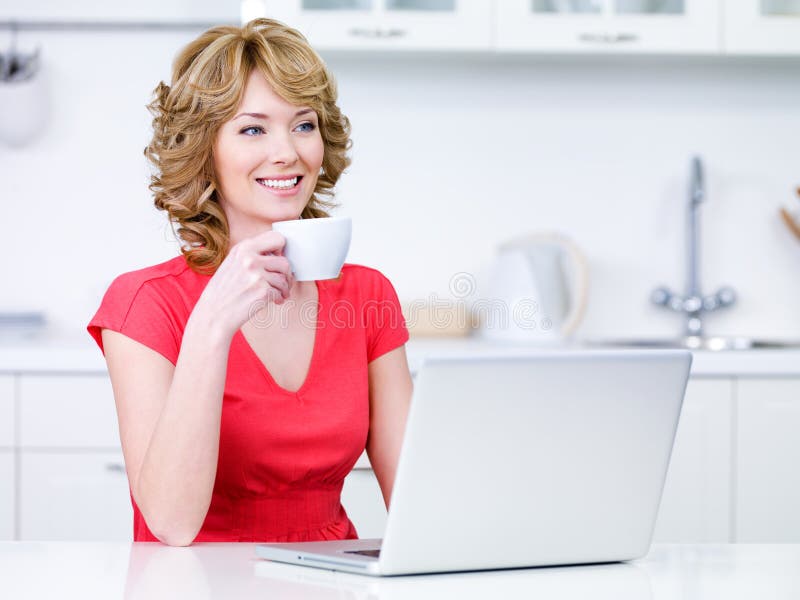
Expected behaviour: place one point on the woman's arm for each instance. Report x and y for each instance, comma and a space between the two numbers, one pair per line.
390, 388
169, 419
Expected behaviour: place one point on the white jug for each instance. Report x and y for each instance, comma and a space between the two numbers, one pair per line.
537, 290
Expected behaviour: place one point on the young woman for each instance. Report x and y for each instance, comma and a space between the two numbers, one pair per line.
245, 397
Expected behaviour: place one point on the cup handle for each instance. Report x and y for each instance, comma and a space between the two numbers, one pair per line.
580, 287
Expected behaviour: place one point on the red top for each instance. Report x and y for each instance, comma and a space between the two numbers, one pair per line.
283, 456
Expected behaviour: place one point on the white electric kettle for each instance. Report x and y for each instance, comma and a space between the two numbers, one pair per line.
537, 290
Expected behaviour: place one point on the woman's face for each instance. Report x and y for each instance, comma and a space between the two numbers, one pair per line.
267, 160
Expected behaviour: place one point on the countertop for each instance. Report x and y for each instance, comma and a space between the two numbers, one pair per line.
152, 571
81, 355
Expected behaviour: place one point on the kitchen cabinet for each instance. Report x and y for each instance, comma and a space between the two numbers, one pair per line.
602, 26
74, 495
222, 11
767, 492
389, 24
363, 501
762, 27
72, 479
695, 506
731, 477
7, 424
7, 500
67, 411
7, 457
769, 27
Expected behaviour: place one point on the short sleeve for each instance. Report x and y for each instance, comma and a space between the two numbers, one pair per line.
142, 312
385, 324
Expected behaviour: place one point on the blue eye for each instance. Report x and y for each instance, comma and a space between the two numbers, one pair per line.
252, 128
306, 127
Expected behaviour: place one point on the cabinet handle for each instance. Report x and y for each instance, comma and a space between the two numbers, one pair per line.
608, 38
377, 33
115, 467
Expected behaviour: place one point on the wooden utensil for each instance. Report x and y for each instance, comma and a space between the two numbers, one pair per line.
792, 222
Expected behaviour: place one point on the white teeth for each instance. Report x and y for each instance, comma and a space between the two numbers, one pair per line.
279, 183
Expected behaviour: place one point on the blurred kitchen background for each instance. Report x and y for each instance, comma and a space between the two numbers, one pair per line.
567, 123
468, 130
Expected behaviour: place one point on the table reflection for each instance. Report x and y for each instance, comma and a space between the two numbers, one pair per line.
620, 581
204, 571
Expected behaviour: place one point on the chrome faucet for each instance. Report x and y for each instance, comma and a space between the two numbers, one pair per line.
693, 304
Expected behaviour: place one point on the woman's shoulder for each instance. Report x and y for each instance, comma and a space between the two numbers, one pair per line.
377, 306
162, 275
149, 305
359, 280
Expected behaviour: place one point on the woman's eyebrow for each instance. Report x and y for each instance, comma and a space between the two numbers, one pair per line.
303, 111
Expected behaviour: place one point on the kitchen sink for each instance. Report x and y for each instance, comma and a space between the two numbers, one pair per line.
714, 343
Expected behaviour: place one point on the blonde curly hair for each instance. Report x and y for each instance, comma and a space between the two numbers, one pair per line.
208, 81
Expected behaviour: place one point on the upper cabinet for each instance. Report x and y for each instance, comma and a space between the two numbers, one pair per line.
762, 26
389, 24
768, 27
141, 11
615, 26
560, 26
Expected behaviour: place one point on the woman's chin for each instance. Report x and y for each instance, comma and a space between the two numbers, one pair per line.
285, 217
288, 216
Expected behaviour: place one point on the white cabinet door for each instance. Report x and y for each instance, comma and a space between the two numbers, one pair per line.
7, 420
762, 27
362, 499
767, 493
67, 411
602, 26
74, 496
389, 24
142, 10
7, 483
695, 506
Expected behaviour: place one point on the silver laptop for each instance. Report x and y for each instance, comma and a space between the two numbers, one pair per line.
552, 458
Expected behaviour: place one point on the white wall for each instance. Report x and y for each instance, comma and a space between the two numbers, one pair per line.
452, 155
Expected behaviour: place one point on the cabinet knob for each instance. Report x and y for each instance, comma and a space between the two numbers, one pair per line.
608, 38
115, 467
377, 33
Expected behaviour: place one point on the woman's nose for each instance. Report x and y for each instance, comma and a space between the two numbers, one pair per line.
281, 149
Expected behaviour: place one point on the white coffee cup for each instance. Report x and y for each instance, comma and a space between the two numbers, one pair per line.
316, 248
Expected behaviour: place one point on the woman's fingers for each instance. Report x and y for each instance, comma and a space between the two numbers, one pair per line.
278, 264
266, 243
260, 257
276, 272
278, 281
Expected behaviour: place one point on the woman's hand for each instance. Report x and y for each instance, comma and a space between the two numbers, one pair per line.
253, 274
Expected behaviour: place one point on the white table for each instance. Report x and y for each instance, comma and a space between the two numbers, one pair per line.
152, 571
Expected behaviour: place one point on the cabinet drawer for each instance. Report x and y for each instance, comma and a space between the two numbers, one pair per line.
6, 495
695, 505
6, 411
67, 412
363, 501
767, 493
74, 496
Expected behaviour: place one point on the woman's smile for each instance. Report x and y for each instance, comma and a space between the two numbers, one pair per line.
281, 186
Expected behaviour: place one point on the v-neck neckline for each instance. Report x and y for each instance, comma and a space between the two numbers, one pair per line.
318, 329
